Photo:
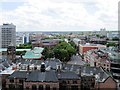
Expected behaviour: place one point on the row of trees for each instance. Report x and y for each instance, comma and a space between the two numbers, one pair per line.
62, 51
112, 44
24, 46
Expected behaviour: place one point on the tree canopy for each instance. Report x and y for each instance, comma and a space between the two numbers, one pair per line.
62, 51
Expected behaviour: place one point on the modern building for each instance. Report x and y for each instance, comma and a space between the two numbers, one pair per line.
46, 43
98, 40
25, 38
7, 35
112, 34
103, 32
78, 41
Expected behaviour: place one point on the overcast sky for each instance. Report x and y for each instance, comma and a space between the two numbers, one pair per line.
46, 15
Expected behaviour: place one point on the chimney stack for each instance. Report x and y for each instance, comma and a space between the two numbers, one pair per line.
42, 67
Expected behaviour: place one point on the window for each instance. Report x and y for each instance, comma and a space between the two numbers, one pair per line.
34, 87
20, 81
40, 87
74, 82
74, 87
11, 86
20, 86
47, 87
68, 82
64, 82
54, 88
27, 88
12, 80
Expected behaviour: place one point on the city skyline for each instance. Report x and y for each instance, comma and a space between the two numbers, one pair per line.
54, 15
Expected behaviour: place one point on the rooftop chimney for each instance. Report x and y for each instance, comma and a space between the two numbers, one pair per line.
42, 67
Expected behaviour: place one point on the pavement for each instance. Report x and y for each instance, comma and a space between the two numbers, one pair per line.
76, 60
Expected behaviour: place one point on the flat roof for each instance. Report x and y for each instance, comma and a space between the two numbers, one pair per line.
92, 45
5, 49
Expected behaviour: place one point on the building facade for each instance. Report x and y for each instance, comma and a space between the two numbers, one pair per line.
83, 48
7, 35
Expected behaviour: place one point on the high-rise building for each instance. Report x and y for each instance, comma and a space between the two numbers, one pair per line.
25, 38
7, 35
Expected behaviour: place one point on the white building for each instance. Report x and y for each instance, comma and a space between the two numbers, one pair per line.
7, 35
25, 38
103, 32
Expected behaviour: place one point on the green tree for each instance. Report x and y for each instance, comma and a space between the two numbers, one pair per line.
115, 38
24, 46
64, 51
111, 44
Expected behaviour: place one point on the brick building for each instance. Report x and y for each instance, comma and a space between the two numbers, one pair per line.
83, 48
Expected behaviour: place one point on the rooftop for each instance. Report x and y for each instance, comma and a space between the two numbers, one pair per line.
68, 75
92, 45
37, 76
34, 54
5, 49
19, 74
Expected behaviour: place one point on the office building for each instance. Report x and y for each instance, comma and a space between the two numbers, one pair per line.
7, 35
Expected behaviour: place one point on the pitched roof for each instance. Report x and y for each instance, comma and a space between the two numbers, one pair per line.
34, 54
37, 76
19, 74
67, 75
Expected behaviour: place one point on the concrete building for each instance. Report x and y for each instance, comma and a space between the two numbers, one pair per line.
112, 34
97, 40
25, 38
103, 32
7, 35
46, 43
78, 41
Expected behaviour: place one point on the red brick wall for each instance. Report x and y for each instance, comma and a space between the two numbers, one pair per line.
108, 84
85, 49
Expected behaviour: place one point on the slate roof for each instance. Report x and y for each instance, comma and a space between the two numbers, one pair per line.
6, 64
67, 75
37, 76
70, 67
89, 71
53, 63
19, 74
